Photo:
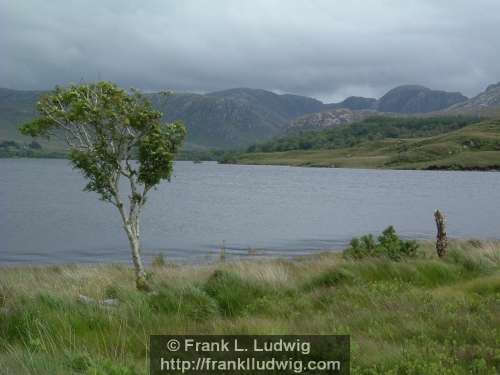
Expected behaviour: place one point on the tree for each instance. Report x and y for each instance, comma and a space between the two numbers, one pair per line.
112, 135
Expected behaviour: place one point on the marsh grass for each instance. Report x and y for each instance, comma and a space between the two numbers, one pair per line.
421, 315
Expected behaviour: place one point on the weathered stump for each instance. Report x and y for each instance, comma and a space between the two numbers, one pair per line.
441, 238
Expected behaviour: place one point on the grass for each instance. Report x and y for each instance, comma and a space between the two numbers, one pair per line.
422, 315
473, 147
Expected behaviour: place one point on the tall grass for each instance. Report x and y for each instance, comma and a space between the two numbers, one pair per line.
421, 315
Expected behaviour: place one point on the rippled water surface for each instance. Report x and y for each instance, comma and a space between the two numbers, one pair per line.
274, 211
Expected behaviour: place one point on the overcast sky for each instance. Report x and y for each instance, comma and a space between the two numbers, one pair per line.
325, 49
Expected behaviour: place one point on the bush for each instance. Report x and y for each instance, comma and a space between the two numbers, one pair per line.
361, 247
159, 261
389, 245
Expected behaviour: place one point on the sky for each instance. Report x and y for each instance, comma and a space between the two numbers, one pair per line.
327, 49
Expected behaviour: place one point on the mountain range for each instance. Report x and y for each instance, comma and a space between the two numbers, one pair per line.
238, 117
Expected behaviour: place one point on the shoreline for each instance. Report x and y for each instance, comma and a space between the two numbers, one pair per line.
214, 259
436, 168
229, 260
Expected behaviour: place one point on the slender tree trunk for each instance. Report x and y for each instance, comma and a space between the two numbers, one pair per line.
441, 238
131, 227
140, 274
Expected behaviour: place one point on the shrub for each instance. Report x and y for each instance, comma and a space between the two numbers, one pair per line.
159, 261
389, 245
361, 247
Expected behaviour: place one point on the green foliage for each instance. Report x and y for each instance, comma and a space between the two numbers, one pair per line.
362, 247
371, 129
389, 245
156, 152
104, 127
97, 170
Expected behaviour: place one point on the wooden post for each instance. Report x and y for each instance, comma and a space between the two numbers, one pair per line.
222, 255
441, 238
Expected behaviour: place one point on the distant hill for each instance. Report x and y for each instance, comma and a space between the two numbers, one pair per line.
417, 99
402, 100
16, 107
486, 103
236, 117
287, 106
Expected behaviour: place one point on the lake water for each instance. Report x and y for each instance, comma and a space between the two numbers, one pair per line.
274, 211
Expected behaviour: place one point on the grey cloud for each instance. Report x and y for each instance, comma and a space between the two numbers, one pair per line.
326, 49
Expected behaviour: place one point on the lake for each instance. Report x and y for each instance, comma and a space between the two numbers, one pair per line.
45, 218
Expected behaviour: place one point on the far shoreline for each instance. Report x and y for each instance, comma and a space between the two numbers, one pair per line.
433, 168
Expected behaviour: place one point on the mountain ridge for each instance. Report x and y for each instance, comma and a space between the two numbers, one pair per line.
417, 99
239, 117
486, 102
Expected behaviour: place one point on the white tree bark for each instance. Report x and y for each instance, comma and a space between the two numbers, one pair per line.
135, 247
131, 225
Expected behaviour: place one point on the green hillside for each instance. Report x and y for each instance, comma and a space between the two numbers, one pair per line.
471, 147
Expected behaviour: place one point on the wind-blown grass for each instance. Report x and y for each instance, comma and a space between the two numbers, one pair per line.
421, 315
